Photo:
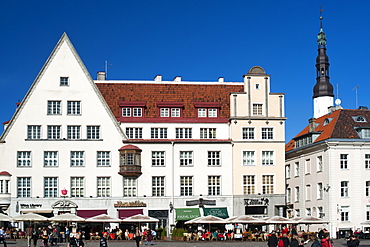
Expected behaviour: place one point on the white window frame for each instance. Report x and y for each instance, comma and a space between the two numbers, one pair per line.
367, 188
212, 112
158, 186
64, 81
320, 191
308, 192
207, 133
186, 185
296, 194
249, 157
287, 171
319, 163
134, 133
367, 212
137, 112
129, 187
186, 158
289, 195
308, 166
184, 133
126, 112
93, 132
34, 132
158, 158
77, 158
158, 133
51, 158
24, 159
308, 212
103, 159
344, 189
267, 133
73, 132
344, 161
214, 158
73, 107
24, 187
367, 161
202, 112
4, 186
268, 184
165, 112
54, 132
77, 186
175, 112
268, 157
50, 187
344, 213
257, 109
103, 186
248, 133
249, 184
214, 185
54, 107
296, 169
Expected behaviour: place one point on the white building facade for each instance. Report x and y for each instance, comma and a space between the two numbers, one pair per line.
161, 148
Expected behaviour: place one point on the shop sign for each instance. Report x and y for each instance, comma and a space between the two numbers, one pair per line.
256, 201
121, 204
30, 205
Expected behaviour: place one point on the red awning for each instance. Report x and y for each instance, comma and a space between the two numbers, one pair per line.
90, 213
124, 213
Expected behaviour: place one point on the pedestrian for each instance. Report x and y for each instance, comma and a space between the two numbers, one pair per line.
149, 237
272, 240
29, 231
103, 240
353, 241
2, 236
76, 242
295, 242
35, 236
315, 241
326, 241
137, 236
285, 240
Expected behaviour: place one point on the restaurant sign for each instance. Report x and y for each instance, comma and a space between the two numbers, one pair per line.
256, 202
121, 204
30, 205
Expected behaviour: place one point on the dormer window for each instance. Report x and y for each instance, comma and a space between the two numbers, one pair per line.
359, 119
207, 109
170, 109
363, 133
132, 108
327, 121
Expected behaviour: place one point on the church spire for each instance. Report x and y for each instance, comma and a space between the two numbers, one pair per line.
323, 90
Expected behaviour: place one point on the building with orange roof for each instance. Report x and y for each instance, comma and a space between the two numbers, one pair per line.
328, 162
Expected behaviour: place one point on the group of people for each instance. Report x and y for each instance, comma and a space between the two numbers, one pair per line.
321, 240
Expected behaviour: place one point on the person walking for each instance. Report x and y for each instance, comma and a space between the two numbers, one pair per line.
137, 236
35, 236
2, 236
103, 240
76, 242
272, 240
29, 231
149, 237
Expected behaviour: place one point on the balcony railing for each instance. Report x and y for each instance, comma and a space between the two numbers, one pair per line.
130, 171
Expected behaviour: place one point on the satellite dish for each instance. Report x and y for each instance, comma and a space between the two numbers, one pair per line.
338, 101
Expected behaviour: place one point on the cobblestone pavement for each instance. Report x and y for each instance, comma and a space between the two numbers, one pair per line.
115, 243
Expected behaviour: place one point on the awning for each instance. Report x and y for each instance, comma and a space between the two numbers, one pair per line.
90, 213
37, 211
125, 213
187, 213
218, 212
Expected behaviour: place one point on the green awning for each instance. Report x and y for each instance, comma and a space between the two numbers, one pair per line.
218, 212
187, 213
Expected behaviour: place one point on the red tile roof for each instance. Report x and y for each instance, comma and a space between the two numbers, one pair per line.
341, 126
5, 173
152, 93
129, 147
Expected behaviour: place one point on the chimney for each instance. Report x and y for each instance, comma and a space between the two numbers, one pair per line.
158, 78
363, 108
221, 79
101, 76
312, 124
177, 79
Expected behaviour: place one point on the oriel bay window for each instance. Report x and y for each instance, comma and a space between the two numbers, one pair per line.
130, 161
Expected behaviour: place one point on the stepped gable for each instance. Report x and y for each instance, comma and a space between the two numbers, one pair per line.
342, 125
152, 93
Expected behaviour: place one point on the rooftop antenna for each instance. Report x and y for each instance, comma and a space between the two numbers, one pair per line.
356, 88
106, 68
321, 10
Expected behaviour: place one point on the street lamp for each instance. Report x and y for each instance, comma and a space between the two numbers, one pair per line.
171, 207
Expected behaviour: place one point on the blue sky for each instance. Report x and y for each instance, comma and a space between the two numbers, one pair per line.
199, 40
